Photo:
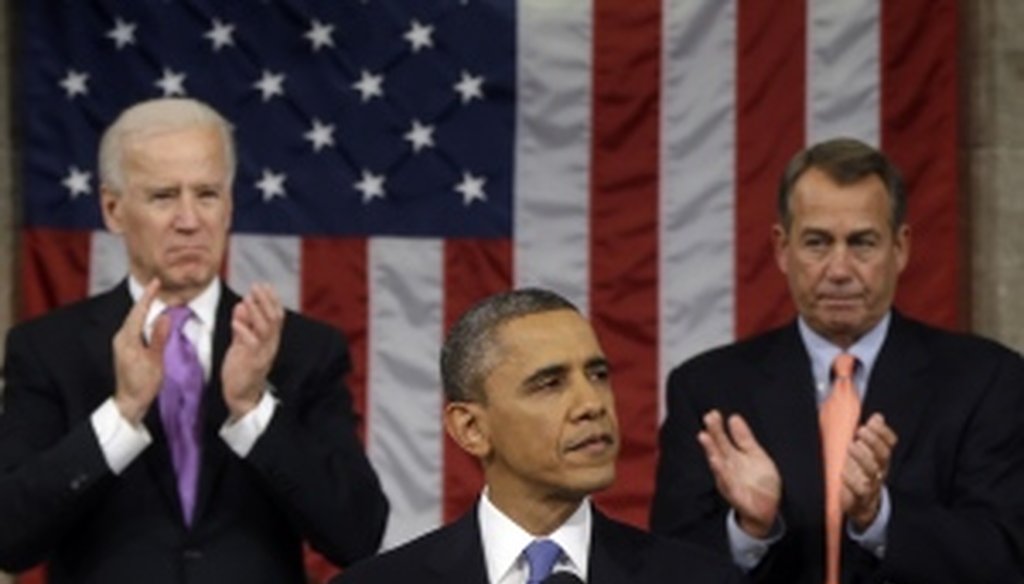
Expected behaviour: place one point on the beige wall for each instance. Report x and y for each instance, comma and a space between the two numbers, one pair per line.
993, 152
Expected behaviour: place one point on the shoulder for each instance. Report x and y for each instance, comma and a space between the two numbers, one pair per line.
657, 558
742, 353
950, 347
408, 561
107, 308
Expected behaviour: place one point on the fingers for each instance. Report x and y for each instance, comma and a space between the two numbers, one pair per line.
742, 436
259, 315
135, 322
713, 438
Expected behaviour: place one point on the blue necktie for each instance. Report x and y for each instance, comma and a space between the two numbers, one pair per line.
180, 393
541, 555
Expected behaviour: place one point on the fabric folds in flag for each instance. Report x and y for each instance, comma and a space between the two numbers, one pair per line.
399, 160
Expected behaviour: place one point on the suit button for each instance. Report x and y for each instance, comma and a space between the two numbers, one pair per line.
192, 554
78, 482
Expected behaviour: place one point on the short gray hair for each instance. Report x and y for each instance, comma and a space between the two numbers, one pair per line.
154, 116
468, 354
845, 161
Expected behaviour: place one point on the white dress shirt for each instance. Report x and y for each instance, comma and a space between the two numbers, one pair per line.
504, 541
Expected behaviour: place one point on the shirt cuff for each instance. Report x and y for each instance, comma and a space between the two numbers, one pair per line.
747, 552
873, 538
241, 436
120, 440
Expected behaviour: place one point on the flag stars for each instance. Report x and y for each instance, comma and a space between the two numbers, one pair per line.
371, 186
271, 184
77, 182
270, 84
369, 86
470, 87
75, 83
123, 33
321, 135
420, 136
319, 35
171, 83
471, 188
221, 35
420, 36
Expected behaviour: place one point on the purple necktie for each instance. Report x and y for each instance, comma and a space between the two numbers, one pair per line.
179, 406
541, 555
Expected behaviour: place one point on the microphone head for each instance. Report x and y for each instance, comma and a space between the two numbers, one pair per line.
562, 578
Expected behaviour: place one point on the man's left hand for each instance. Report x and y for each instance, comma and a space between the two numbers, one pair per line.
256, 324
867, 465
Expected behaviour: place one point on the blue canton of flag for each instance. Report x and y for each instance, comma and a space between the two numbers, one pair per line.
352, 117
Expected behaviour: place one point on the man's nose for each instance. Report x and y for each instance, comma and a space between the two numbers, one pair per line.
590, 401
187, 215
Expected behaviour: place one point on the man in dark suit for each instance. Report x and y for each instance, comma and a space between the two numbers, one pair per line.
529, 395
928, 479
212, 466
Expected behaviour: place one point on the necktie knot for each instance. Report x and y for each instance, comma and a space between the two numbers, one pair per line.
179, 315
843, 366
541, 555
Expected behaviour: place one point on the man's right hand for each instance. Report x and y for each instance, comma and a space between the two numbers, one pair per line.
138, 365
745, 475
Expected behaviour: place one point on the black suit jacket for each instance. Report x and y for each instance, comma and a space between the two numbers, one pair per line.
619, 554
956, 478
305, 478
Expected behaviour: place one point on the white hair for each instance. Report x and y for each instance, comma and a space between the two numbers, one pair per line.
154, 116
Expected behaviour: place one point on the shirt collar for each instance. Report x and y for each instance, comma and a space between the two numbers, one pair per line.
204, 306
504, 540
823, 352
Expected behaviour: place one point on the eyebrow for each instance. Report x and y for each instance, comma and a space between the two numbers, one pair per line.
548, 371
560, 369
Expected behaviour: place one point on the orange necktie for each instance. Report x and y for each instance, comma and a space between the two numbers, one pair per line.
838, 418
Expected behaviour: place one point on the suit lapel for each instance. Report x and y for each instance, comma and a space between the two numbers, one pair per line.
898, 385
789, 425
108, 313
457, 553
614, 558
213, 410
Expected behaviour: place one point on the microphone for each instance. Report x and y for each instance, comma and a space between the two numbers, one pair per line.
562, 578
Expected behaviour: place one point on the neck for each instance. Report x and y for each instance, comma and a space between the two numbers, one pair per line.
536, 516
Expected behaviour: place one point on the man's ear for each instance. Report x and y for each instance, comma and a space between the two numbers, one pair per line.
780, 239
466, 423
110, 206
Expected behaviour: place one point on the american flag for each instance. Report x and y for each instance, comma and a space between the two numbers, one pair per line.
399, 160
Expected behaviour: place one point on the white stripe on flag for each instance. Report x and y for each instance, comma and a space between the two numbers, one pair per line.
108, 262
404, 397
552, 186
698, 129
274, 259
843, 70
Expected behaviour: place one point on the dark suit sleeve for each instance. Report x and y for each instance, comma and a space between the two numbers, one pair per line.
310, 455
686, 503
49, 475
968, 525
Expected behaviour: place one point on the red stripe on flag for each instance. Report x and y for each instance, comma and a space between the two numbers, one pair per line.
54, 268
624, 233
473, 270
770, 122
919, 132
334, 289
